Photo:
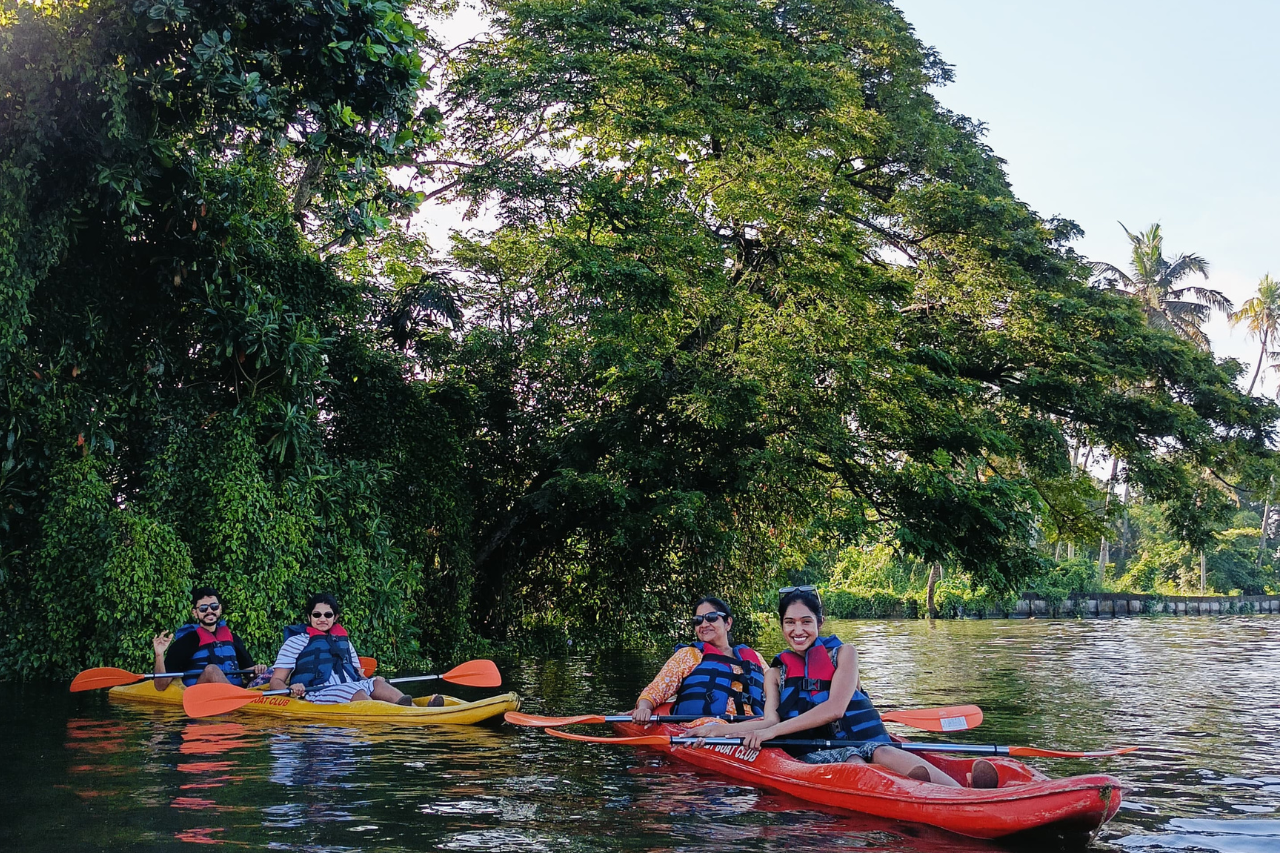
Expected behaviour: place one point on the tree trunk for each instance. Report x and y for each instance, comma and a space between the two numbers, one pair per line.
1266, 514
1126, 534
1103, 549
1261, 357
1203, 573
935, 574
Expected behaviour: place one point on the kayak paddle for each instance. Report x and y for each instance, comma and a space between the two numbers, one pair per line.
951, 719
207, 700
518, 719
954, 718
975, 749
108, 676
473, 673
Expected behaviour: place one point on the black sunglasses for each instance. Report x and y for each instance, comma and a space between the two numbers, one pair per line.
316, 614
710, 618
205, 608
787, 590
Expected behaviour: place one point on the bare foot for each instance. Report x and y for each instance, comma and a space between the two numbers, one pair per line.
984, 775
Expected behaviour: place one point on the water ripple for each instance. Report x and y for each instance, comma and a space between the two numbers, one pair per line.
85, 774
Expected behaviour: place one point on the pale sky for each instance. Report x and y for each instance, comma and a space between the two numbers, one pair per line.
1132, 111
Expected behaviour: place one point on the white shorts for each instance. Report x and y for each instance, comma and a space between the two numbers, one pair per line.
335, 694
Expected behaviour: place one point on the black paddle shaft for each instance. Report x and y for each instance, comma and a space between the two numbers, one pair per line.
194, 672
679, 718
975, 749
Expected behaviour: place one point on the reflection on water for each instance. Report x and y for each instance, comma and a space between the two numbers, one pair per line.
1198, 694
1222, 836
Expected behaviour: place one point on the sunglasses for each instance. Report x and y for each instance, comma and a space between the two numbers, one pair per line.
787, 590
710, 618
205, 608
316, 614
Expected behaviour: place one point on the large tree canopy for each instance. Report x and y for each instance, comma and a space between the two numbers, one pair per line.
749, 286
752, 277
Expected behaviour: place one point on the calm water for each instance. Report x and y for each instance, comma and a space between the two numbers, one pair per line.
1201, 695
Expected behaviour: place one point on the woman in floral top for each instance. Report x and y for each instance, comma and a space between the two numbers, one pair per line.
711, 677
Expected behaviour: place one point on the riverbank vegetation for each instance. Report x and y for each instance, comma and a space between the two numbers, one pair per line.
737, 293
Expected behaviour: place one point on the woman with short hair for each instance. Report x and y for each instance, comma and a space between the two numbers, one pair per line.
319, 663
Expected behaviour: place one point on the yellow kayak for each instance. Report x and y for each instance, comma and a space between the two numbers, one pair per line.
454, 712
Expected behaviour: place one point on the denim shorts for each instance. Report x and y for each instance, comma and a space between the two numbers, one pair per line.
843, 754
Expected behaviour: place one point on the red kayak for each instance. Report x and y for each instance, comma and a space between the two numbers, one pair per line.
1028, 806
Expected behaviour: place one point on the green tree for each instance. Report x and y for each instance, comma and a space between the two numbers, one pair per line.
761, 283
751, 289
1261, 316
168, 326
1153, 280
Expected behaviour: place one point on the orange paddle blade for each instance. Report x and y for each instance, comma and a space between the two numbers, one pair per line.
515, 718
956, 718
1034, 752
103, 676
207, 700
475, 673
368, 666
640, 740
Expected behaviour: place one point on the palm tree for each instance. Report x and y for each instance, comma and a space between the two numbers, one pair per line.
1262, 316
1154, 281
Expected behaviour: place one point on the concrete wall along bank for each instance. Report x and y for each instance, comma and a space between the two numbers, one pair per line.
1112, 604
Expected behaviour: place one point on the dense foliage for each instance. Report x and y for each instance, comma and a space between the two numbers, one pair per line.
167, 328
761, 291
749, 291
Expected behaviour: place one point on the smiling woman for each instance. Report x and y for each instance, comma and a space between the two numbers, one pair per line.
813, 691
318, 662
710, 677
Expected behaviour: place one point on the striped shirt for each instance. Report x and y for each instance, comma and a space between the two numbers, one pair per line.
287, 658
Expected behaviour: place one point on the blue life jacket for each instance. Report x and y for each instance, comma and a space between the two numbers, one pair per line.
324, 655
217, 648
806, 683
708, 689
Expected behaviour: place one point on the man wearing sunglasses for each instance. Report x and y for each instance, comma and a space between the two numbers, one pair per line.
207, 648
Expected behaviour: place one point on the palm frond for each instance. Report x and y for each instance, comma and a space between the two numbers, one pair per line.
1183, 266
1147, 253
1254, 311
1157, 320
1193, 333
1111, 277
1197, 311
1215, 299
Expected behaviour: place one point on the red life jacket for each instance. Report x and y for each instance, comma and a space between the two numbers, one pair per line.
215, 647
805, 683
